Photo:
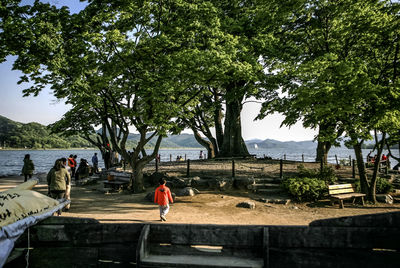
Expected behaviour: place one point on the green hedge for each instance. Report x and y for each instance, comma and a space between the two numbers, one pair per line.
305, 189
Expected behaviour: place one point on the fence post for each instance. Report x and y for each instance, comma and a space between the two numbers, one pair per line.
302, 158
188, 168
354, 168
387, 166
281, 168
233, 168
337, 162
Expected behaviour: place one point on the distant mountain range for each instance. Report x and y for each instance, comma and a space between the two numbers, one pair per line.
34, 135
269, 144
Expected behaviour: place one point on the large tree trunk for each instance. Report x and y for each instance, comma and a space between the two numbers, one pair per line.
137, 177
323, 148
211, 146
233, 143
361, 168
218, 115
372, 186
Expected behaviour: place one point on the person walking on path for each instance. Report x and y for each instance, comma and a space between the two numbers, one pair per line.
95, 162
163, 197
28, 168
57, 179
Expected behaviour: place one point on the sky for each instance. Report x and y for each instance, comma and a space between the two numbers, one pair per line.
45, 109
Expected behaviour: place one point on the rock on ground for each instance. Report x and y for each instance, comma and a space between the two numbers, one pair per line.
247, 204
188, 191
384, 198
220, 184
243, 182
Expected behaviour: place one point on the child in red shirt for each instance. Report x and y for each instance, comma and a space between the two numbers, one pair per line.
163, 197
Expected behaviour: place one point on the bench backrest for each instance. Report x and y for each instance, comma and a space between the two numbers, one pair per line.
341, 189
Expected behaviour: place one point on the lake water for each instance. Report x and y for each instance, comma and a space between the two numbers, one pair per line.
11, 161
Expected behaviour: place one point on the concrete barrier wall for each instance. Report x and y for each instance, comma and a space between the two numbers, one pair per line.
362, 241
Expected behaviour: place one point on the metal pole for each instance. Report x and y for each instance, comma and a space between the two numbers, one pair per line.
170, 158
281, 169
302, 158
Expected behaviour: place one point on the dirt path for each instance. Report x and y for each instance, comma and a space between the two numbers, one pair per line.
206, 208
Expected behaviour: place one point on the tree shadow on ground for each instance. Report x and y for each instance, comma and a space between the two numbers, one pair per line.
348, 204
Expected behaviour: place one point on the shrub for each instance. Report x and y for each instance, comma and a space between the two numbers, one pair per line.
383, 186
305, 189
306, 172
328, 173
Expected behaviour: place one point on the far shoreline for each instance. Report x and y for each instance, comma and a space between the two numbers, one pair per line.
90, 148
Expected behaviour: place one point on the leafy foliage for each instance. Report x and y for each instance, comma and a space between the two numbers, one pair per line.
337, 68
327, 175
383, 186
305, 189
35, 136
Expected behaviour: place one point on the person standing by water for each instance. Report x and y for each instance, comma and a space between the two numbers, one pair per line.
28, 168
72, 164
57, 179
68, 183
163, 197
95, 162
76, 164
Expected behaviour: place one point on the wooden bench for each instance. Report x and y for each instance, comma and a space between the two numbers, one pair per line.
205, 245
340, 192
115, 185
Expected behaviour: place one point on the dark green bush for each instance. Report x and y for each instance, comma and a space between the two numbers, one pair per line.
328, 173
383, 186
305, 189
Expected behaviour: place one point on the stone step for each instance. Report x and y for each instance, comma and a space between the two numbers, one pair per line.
270, 191
198, 261
263, 186
267, 180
